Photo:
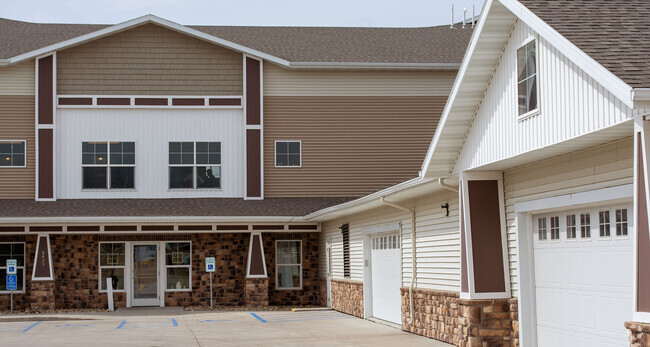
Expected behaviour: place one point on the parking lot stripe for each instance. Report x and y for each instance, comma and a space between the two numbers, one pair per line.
121, 325
174, 322
31, 326
258, 317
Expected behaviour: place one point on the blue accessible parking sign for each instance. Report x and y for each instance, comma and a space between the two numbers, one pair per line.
12, 282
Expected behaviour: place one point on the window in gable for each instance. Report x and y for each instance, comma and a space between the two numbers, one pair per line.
527, 78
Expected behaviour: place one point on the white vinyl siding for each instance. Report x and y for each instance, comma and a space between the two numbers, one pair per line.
598, 167
571, 104
151, 130
438, 242
283, 82
18, 79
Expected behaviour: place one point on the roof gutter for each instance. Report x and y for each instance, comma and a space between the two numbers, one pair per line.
641, 97
370, 65
154, 219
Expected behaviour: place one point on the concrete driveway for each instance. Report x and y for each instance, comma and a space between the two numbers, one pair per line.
162, 327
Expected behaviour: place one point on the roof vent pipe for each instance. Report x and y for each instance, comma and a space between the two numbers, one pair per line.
452, 16
464, 16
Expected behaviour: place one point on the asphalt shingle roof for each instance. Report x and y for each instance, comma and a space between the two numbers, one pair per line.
208, 207
439, 44
615, 33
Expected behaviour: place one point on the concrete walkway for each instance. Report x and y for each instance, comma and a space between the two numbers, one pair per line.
173, 327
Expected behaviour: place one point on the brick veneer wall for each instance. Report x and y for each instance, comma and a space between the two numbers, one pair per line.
639, 334
309, 293
444, 316
347, 297
257, 291
322, 291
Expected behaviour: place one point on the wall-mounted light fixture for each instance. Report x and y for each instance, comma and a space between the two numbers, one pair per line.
444, 208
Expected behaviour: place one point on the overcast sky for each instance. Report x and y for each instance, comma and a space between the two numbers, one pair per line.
386, 13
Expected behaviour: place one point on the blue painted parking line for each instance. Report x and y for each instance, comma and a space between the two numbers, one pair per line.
147, 324
17, 327
258, 317
72, 325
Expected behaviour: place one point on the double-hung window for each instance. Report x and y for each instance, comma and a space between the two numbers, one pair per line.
194, 165
12, 154
12, 251
287, 154
112, 261
288, 268
108, 165
527, 78
178, 265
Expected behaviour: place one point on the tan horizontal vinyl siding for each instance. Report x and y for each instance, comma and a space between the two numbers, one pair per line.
599, 167
351, 146
279, 81
18, 79
437, 242
149, 60
17, 123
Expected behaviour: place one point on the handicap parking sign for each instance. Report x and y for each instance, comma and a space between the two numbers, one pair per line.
12, 282
11, 266
209, 264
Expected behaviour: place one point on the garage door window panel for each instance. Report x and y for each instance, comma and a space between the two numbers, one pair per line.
571, 227
555, 228
621, 222
541, 229
603, 224
585, 226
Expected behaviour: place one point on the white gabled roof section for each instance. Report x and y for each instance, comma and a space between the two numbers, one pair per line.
141, 21
479, 63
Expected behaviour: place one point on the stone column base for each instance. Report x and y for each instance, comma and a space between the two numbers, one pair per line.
347, 297
42, 295
256, 291
639, 334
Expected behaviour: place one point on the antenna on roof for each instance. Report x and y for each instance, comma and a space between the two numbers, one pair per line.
464, 16
452, 16
473, 17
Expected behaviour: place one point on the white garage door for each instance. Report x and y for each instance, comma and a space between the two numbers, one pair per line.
386, 257
583, 276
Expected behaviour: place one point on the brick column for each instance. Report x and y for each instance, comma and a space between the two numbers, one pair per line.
256, 291
41, 295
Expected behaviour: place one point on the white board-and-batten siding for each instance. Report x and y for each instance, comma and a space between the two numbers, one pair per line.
437, 236
18, 79
603, 166
151, 130
571, 104
279, 81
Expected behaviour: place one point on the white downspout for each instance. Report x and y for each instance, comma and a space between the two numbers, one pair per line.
442, 183
413, 261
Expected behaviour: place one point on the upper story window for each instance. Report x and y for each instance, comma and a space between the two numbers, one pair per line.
527, 78
287, 154
12, 153
194, 165
108, 165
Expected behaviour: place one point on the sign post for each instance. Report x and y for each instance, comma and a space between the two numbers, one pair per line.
12, 280
209, 268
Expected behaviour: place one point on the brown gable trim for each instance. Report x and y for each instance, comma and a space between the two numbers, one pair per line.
45, 163
46, 90
253, 105
253, 166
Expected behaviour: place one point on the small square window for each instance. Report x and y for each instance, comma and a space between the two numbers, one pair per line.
571, 226
541, 229
288, 154
585, 225
621, 222
12, 154
603, 223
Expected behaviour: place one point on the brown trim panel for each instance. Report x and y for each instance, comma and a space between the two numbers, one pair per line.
253, 167
75, 101
253, 108
45, 163
188, 102
257, 260
45, 90
487, 251
151, 101
42, 259
225, 102
643, 238
114, 101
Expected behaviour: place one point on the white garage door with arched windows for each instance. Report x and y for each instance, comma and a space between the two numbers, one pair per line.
583, 276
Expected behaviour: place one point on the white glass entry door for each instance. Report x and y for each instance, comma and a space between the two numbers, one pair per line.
145, 281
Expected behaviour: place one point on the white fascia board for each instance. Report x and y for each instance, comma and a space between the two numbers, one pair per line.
598, 72
139, 21
455, 89
369, 65
161, 219
641, 98
367, 201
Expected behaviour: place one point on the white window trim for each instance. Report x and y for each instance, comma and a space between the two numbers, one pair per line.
193, 166
537, 110
250, 258
275, 156
3, 267
100, 266
277, 265
108, 167
165, 267
24, 159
